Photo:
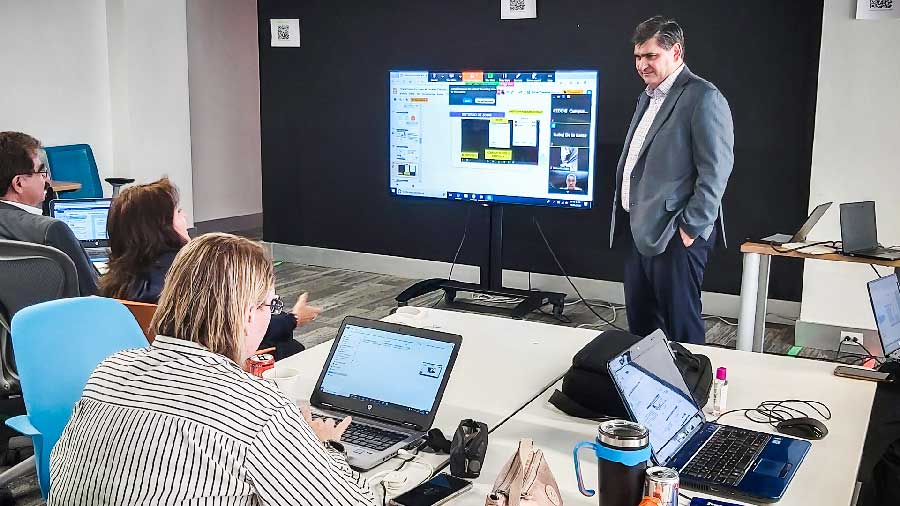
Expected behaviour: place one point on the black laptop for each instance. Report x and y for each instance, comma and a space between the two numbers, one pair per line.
859, 236
709, 457
390, 378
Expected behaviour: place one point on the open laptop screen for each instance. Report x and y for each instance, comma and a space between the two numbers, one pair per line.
388, 368
885, 296
656, 395
86, 217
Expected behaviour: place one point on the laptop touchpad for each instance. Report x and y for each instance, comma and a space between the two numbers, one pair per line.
768, 467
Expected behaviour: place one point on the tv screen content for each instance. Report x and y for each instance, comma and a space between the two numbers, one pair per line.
500, 137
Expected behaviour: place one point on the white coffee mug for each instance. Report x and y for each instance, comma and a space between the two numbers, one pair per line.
285, 378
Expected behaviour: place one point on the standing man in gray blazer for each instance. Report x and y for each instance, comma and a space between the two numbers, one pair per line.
672, 173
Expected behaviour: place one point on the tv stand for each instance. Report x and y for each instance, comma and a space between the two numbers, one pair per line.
491, 280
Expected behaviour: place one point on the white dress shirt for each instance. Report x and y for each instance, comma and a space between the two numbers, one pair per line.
657, 97
177, 424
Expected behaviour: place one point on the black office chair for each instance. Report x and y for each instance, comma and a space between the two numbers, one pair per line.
29, 274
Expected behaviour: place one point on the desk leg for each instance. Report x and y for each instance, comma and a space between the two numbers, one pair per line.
749, 289
762, 300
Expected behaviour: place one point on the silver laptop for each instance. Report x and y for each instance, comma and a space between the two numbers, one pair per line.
884, 294
801, 234
87, 219
390, 378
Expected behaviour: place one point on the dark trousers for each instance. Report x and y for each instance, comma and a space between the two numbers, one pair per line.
663, 291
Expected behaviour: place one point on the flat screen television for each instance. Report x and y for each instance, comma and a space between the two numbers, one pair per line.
525, 137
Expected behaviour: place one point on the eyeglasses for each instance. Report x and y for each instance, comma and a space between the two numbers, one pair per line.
276, 306
43, 170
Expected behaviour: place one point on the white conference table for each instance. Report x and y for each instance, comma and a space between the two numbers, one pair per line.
502, 366
826, 477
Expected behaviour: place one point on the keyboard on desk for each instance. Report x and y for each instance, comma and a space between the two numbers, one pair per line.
368, 436
727, 455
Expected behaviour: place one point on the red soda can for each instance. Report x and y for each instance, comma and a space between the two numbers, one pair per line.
259, 363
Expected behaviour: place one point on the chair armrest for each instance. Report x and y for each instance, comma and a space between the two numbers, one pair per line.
23, 425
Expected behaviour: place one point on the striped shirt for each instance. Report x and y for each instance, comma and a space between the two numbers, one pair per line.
175, 424
657, 97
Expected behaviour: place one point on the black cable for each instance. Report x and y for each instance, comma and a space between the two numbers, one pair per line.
563, 270
461, 242
689, 498
877, 274
860, 358
772, 412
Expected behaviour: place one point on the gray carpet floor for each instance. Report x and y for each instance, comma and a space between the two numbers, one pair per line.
343, 293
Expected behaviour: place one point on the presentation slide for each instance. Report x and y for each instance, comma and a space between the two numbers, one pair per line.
504, 137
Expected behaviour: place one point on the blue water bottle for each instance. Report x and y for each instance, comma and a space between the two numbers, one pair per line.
622, 449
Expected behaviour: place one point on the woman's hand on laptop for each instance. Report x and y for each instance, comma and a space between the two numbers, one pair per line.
325, 428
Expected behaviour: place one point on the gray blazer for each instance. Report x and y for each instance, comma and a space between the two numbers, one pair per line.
682, 169
20, 225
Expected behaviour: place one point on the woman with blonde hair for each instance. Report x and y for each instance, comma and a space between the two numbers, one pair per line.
180, 422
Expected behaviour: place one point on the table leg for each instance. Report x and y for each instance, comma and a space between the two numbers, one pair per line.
762, 300
749, 289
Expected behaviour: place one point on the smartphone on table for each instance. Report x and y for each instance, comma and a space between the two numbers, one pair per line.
437, 490
846, 371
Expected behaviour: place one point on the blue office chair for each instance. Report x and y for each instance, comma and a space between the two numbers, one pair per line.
57, 345
75, 162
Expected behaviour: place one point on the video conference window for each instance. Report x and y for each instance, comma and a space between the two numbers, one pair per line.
507, 137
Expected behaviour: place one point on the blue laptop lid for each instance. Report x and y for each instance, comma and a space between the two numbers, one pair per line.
656, 396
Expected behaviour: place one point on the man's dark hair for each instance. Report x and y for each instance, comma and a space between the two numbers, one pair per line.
16, 150
666, 31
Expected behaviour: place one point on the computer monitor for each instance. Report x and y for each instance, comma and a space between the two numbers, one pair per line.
884, 293
524, 137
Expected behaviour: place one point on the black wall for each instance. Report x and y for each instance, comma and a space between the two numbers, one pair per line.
325, 123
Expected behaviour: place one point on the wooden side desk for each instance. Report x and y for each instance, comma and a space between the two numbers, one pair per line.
755, 287
65, 186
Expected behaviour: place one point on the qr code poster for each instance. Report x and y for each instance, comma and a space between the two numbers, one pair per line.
285, 32
877, 9
518, 9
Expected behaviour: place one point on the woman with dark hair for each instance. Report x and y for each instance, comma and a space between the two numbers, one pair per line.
147, 229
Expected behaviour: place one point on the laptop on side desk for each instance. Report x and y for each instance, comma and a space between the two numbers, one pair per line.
709, 457
859, 236
87, 220
800, 235
390, 378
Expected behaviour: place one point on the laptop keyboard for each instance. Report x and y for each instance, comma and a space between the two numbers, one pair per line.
368, 436
97, 253
727, 455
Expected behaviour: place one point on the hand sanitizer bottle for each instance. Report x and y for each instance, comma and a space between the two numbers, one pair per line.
720, 392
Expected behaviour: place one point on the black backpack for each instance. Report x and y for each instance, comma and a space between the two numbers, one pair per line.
588, 391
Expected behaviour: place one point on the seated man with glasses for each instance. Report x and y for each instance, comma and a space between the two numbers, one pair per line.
23, 181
